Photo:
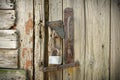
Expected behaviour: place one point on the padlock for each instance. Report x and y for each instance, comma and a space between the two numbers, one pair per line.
55, 57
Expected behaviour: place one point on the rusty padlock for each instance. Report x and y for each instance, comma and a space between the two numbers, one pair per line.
55, 57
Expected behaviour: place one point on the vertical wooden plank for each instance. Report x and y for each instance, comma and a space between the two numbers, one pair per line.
8, 58
115, 40
97, 39
79, 38
55, 13
69, 41
68, 73
39, 38
24, 9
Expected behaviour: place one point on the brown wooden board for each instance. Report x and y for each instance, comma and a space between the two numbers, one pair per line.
8, 58
69, 40
8, 39
7, 74
7, 19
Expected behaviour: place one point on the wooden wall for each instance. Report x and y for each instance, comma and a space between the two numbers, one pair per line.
96, 38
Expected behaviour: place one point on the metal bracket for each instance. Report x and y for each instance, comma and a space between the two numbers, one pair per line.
58, 27
59, 67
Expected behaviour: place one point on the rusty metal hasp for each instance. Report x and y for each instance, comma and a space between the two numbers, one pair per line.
59, 67
58, 27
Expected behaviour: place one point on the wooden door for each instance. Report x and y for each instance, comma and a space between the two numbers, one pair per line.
26, 40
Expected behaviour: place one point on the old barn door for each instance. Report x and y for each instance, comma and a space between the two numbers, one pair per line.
43, 39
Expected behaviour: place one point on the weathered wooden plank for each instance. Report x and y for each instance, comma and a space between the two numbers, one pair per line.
25, 26
97, 39
8, 58
68, 17
6, 74
69, 40
8, 39
7, 4
79, 39
115, 40
39, 38
7, 19
55, 42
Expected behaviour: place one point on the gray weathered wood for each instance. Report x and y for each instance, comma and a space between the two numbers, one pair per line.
115, 40
7, 4
7, 19
97, 39
39, 38
8, 58
8, 39
55, 41
24, 10
6, 74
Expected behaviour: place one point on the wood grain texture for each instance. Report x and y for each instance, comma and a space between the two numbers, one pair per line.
69, 40
79, 39
39, 38
8, 58
97, 39
68, 73
8, 39
55, 13
115, 40
7, 74
7, 19
25, 26
7, 4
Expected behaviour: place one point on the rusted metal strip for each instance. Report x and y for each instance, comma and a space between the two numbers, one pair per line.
68, 41
69, 36
58, 27
55, 68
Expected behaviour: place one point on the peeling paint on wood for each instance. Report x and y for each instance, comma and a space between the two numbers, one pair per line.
7, 4
8, 39
24, 23
7, 74
8, 58
7, 19
28, 64
29, 26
